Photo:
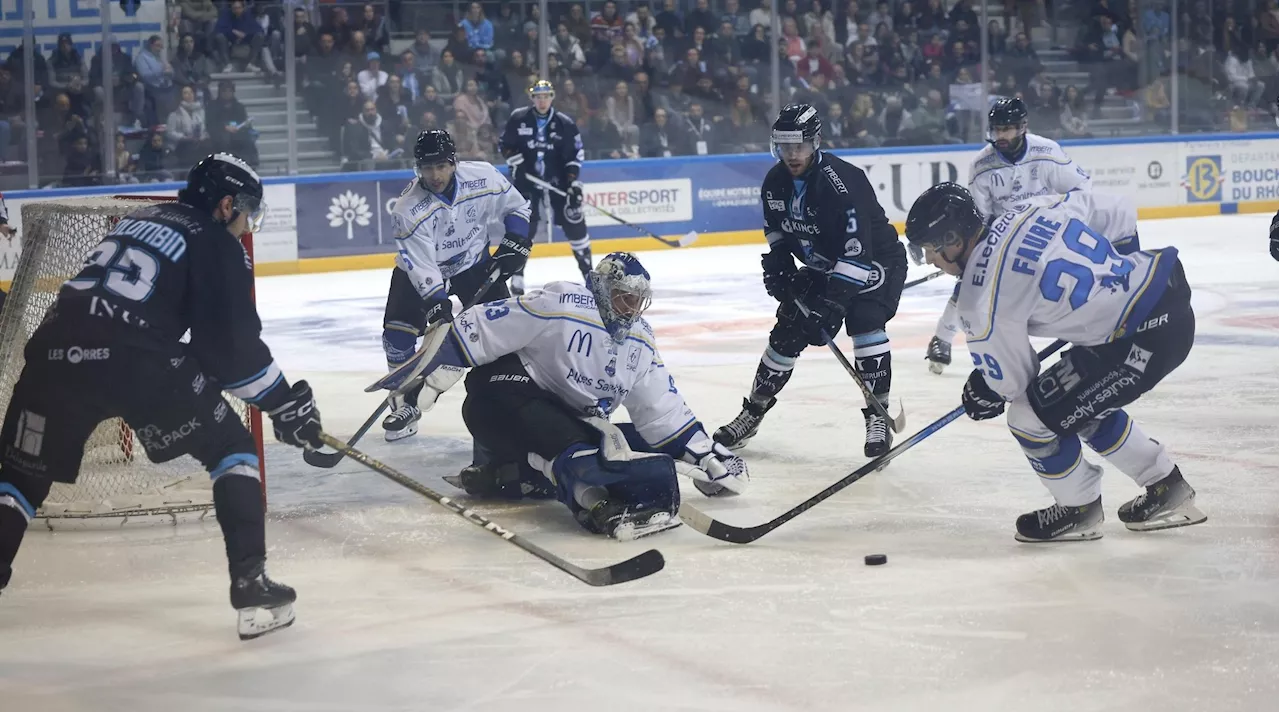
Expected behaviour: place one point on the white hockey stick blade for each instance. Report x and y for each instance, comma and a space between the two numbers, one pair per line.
689, 238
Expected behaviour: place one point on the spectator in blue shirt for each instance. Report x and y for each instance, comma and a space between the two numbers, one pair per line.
479, 29
238, 29
156, 75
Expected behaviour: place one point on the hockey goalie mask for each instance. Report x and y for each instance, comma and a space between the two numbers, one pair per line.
620, 285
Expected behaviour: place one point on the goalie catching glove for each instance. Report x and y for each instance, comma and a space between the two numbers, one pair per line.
297, 421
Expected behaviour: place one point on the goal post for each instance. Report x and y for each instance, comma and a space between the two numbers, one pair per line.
116, 477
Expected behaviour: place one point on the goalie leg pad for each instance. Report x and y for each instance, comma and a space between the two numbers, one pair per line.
646, 482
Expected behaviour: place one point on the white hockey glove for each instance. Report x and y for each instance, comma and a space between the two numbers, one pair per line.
715, 471
437, 382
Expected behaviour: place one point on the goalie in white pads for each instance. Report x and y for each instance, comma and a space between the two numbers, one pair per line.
1039, 270
442, 224
548, 369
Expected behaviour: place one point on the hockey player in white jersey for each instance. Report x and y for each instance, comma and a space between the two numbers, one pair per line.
1016, 165
547, 371
441, 223
1039, 270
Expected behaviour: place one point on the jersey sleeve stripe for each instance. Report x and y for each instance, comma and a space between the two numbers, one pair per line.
851, 272
253, 388
676, 435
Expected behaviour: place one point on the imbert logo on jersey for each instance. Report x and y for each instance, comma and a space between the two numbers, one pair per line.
1204, 179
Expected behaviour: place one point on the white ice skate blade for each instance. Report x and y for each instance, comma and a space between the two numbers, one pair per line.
630, 531
1087, 535
401, 434
454, 480
257, 622
1185, 515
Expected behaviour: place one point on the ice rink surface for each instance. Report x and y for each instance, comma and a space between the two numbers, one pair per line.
403, 606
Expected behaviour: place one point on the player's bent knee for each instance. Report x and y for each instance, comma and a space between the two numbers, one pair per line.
645, 481
241, 464
398, 343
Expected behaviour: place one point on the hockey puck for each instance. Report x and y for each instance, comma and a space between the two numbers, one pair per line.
875, 559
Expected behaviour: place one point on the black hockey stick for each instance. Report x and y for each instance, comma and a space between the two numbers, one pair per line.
684, 241
637, 567
874, 403
923, 279
326, 460
716, 529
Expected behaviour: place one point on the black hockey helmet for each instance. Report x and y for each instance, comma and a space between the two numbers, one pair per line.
221, 174
1007, 111
796, 124
434, 146
944, 215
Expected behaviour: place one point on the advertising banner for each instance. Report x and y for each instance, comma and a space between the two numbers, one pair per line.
1147, 172
131, 25
1229, 171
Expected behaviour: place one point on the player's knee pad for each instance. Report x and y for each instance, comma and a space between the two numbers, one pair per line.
399, 343
1053, 457
787, 338
1106, 435
21, 493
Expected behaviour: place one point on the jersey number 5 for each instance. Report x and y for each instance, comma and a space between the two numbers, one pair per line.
1098, 251
130, 274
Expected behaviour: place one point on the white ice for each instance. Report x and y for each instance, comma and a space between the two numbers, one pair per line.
404, 606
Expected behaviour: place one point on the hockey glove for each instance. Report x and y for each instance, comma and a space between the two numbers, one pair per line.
439, 309
1275, 239
824, 320
716, 472
297, 422
574, 194
805, 281
511, 255
980, 402
513, 163
779, 269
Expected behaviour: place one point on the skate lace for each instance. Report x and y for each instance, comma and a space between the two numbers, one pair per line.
1050, 515
405, 411
742, 424
877, 428
936, 349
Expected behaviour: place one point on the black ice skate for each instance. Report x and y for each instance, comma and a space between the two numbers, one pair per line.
741, 429
879, 439
500, 482
939, 355
402, 422
1166, 504
1059, 523
264, 605
627, 524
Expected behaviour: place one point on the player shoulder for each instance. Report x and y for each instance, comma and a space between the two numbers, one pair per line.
838, 173
519, 114
1040, 147
565, 119
987, 158
478, 175
558, 297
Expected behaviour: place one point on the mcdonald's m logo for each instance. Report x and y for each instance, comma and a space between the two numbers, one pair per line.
580, 340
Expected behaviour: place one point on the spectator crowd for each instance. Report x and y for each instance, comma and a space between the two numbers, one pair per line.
679, 77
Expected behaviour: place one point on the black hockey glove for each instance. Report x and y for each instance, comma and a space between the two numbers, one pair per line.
511, 255
297, 422
980, 402
1275, 240
806, 281
439, 309
779, 269
574, 194
824, 320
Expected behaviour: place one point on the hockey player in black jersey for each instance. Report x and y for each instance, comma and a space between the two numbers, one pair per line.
823, 211
109, 347
540, 141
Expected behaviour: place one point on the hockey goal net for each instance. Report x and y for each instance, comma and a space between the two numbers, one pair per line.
116, 478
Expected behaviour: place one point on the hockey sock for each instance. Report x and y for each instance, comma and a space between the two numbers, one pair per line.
1120, 440
872, 358
948, 323
583, 255
237, 499
772, 374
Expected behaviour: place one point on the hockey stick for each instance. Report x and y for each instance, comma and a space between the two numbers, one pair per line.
326, 460
874, 403
684, 241
716, 529
637, 567
923, 279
